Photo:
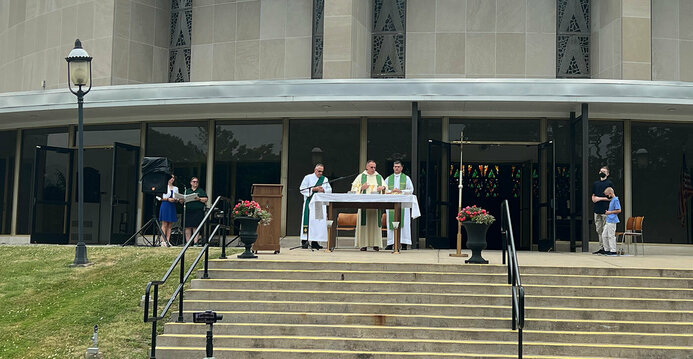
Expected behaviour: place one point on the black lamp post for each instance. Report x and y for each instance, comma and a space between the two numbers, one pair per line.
79, 75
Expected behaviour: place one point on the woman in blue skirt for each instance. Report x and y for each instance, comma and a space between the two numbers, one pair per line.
167, 211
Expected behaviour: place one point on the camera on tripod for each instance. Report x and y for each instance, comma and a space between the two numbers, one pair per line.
207, 317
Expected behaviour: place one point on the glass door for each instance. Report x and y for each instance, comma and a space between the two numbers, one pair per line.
436, 195
52, 187
546, 204
124, 192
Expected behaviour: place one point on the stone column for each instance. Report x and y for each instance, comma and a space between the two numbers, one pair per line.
347, 39
637, 40
621, 39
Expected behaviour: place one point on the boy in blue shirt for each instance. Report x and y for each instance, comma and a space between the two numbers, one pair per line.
609, 233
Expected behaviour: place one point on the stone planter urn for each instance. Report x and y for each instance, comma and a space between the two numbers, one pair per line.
476, 241
248, 234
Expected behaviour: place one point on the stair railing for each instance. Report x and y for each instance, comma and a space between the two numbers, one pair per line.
518, 291
219, 212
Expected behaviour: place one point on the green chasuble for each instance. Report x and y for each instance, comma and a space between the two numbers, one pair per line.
391, 185
364, 179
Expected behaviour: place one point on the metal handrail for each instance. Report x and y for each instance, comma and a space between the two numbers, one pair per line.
223, 224
518, 291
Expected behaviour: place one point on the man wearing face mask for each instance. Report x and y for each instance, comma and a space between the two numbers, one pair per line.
601, 205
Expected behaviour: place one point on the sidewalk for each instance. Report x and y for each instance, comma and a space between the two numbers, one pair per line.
659, 256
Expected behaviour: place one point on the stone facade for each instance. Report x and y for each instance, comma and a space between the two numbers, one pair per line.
672, 40
478, 38
621, 40
251, 40
271, 40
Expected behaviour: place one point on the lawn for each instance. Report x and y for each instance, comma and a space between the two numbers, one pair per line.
48, 309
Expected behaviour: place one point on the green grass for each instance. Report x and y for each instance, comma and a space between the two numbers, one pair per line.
48, 309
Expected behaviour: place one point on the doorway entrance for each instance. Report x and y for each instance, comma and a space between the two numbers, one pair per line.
110, 194
490, 172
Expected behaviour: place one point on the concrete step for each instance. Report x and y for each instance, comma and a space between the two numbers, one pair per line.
479, 310
414, 333
418, 320
455, 268
437, 287
427, 345
265, 353
431, 276
438, 298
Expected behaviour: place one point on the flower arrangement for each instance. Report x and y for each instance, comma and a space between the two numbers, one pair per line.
475, 214
251, 209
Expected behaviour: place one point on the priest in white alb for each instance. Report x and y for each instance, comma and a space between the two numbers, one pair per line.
312, 229
399, 183
368, 221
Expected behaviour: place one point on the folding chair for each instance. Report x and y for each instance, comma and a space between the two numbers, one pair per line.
632, 233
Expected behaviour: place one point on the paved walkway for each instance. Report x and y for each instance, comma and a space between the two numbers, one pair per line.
659, 256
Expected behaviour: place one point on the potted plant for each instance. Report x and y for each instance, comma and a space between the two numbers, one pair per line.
475, 221
249, 214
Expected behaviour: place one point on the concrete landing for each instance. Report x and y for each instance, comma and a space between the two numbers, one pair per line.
659, 256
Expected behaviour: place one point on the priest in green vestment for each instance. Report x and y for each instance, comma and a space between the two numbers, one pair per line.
399, 183
368, 223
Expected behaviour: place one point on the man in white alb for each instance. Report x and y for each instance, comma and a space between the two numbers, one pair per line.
313, 228
399, 183
368, 222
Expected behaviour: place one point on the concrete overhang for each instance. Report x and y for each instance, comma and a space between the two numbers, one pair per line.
479, 98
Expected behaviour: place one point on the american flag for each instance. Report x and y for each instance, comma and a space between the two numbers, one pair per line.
685, 192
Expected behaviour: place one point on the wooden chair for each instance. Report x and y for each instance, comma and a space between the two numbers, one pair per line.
632, 233
345, 222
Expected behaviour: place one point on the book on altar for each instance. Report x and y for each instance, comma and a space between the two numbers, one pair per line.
186, 197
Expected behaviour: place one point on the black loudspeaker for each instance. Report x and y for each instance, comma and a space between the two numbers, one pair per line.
155, 183
156, 171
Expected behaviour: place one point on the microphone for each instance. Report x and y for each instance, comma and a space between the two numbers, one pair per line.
335, 180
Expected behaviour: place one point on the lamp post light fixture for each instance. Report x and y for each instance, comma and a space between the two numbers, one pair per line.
79, 75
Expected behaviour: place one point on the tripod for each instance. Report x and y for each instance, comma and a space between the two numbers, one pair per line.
157, 233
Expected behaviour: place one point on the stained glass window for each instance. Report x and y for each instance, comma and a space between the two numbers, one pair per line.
573, 38
389, 38
482, 179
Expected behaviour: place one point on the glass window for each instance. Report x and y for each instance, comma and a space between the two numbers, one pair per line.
56, 137
389, 140
658, 163
108, 134
335, 143
606, 149
8, 143
185, 145
495, 130
246, 153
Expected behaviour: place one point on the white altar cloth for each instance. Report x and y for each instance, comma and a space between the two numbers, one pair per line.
320, 199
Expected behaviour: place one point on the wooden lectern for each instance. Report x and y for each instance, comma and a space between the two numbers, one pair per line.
269, 196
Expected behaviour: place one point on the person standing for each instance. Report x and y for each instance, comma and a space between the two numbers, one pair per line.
611, 221
368, 221
311, 228
167, 211
399, 183
601, 204
195, 209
